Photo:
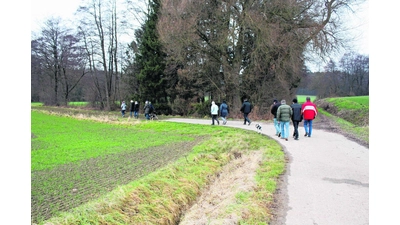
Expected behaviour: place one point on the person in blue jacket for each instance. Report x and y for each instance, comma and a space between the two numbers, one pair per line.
224, 111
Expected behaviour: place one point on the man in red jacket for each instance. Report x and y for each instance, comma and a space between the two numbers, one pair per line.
309, 111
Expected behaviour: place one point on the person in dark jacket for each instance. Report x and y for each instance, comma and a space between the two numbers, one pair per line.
274, 108
224, 111
246, 109
136, 110
297, 117
131, 108
283, 115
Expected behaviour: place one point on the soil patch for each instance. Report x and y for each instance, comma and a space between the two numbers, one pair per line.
211, 207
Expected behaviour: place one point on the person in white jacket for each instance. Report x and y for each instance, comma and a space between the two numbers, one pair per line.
214, 112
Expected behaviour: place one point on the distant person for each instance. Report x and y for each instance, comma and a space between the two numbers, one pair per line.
296, 118
277, 126
309, 111
136, 110
123, 108
131, 108
283, 115
147, 110
246, 109
214, 112
224, 111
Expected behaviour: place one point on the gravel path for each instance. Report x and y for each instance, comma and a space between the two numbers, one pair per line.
326, 180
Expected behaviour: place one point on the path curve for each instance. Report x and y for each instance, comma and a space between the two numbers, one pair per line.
326, 180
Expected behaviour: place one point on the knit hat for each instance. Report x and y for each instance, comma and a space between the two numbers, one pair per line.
275, 101
295, 100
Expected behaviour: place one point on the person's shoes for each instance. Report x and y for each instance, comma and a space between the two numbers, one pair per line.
305, 135
212, 124
279, 135
286, 139
218, 122
296, 139
309, 136
249, 123
224, 123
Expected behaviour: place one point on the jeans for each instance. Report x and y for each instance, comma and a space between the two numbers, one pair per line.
245, 115
284, 129
277, 126
136, 114
223, 119
296, 129
123, 113
308, 127
147, 116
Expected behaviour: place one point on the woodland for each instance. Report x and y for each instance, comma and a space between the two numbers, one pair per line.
187, 53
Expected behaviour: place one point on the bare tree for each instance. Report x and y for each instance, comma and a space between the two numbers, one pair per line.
260, 45
99, 24
57, 54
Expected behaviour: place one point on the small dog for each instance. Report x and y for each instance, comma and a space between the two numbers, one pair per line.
259, 128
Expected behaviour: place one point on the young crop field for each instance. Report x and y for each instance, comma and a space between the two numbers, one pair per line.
77, 160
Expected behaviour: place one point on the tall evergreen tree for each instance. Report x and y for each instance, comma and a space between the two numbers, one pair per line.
150, 60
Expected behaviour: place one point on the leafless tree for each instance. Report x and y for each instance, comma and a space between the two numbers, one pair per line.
261, 46
56, 55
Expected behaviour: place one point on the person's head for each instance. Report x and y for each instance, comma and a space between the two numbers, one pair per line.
245, 100
224, 101
131, 100
295, 100
283, 101
147, 102
123, 101
136, 102
275, 101
213, 102
308, 99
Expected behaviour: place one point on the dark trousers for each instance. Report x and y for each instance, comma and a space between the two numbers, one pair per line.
296, 129
215, 117
246, 118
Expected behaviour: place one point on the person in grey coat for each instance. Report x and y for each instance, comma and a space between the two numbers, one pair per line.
297, 117
283, 115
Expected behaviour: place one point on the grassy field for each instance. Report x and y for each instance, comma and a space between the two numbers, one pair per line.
93, 168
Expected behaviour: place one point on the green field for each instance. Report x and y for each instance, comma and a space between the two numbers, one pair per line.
85, 170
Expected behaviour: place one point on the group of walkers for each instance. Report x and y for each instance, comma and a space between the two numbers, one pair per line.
283, 113
134, 109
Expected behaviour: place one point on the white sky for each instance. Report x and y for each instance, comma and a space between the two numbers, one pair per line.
43, 9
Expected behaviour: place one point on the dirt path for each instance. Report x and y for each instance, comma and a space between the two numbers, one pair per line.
235, 177
326, 180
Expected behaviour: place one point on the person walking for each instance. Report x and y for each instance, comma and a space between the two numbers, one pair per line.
146, 110
274, 108
131, 109
224, 111
297, 117
246, 109
309, 111
136, 110
214, 112
123, 108
283, 115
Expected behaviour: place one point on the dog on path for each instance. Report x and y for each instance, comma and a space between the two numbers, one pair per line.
259, 128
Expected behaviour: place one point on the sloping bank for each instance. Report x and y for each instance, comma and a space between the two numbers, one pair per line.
246, 162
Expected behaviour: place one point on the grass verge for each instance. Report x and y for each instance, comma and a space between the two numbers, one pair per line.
150, 175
